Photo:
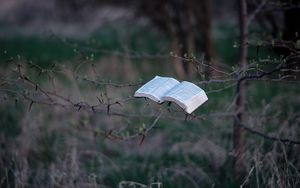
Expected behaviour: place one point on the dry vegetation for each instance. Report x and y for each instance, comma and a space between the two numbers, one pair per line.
68, 117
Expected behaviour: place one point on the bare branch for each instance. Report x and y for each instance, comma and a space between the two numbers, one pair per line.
265, 136
256, 11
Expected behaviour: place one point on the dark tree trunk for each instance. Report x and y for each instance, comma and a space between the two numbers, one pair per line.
291, 26
206, 25
238, 136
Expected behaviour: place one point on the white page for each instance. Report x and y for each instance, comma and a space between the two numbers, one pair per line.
187, 95
156, 88
184, 91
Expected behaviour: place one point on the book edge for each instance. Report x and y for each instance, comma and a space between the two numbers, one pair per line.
171, 99
147, 95
185, 105
190, 102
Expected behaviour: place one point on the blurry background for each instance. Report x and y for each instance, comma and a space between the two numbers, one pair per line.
69, 68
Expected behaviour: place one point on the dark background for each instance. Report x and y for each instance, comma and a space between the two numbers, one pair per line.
69, 69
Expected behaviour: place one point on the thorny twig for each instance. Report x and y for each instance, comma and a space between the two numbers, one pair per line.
105, 106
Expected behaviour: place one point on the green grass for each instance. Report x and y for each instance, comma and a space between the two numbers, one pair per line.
227, 45
53, 147
41, 51
45, 50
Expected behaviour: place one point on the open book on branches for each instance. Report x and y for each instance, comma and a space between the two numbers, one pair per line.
185, 94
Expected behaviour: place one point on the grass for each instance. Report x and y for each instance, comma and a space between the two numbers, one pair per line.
60, 147
44, 50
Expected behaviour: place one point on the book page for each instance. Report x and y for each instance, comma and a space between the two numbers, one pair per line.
187, 95
196, 101
156, 88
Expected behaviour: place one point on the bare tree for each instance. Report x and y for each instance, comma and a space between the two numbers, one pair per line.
238, 137
189, 26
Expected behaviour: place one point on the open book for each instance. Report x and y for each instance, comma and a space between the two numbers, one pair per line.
186, 94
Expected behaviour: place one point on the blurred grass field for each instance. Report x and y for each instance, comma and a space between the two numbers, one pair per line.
61, 148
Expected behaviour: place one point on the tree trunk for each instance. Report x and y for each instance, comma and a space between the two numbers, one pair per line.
175, 43
206, 26
190, 37
238, 137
